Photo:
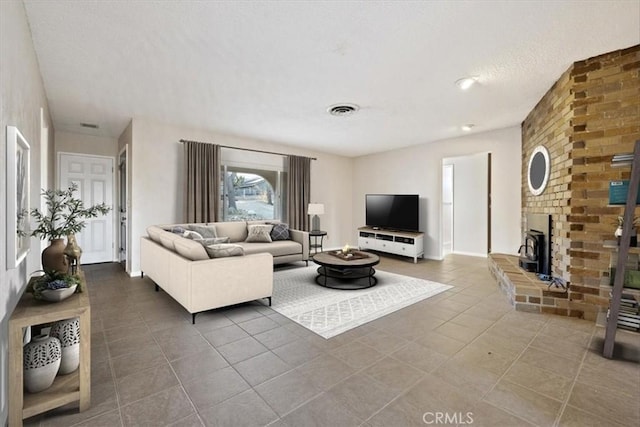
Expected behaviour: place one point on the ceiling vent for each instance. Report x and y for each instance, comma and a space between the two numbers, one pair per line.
89, 125
343, 109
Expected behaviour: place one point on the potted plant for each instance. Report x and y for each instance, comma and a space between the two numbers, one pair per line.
65, 216
55, 286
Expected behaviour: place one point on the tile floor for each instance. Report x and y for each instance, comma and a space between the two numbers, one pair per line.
464, 356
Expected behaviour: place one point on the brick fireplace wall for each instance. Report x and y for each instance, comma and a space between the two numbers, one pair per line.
591, 113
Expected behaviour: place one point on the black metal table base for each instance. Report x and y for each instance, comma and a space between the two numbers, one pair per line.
346, 278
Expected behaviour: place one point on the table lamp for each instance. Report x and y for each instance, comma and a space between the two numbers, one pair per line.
315, 209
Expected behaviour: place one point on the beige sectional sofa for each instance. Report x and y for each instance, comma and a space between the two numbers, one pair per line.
182, 267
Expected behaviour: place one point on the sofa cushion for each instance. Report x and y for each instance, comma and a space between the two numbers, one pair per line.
276, 249
191, 249
154, 233
168, 238
259, 233
224, 250
280, 231
236, 231
206, 231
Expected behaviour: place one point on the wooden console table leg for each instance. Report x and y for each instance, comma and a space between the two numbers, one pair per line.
16, 398
85, 360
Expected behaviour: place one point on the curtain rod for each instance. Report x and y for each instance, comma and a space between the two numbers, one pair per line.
182, 141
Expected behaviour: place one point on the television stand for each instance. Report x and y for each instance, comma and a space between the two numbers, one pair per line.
403, 243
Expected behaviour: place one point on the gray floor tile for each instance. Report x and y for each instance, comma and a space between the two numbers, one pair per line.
246, 409
215, 387
261, 368
150, 365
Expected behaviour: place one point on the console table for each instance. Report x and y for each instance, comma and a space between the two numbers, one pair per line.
72, 387
403, 243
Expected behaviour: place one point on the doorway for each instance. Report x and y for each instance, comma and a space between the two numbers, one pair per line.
122, 208
447, 209
94, 177
466, 209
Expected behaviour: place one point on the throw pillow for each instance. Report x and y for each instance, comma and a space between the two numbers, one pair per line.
193, 235
207, 231
224, 250
280, 232
259, 233
177, 230
213, 241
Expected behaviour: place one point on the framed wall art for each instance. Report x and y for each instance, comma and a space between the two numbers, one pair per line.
18, 163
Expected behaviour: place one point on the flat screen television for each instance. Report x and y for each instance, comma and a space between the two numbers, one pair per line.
393, 211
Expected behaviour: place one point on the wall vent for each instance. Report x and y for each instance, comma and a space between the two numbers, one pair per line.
89, 125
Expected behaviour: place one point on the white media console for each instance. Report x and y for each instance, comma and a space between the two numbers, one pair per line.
394, 242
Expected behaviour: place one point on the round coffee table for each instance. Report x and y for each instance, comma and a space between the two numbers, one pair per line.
337, 272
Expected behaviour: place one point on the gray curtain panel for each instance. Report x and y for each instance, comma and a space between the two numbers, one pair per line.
202, 181
298, 192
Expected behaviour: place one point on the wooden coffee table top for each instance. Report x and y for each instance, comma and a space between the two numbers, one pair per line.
326, 259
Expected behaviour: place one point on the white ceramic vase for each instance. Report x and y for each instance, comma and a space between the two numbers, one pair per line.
41, 362
68, 332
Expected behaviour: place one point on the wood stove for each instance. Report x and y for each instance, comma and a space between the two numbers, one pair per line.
535, 253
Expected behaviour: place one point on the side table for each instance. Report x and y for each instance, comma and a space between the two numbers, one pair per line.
73, 387
315, 235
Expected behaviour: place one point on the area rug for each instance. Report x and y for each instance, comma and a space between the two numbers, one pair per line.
330, 312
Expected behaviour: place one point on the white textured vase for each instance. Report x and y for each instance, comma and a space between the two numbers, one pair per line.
68, 332
41, 362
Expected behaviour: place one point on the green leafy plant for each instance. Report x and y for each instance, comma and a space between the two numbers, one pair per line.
52, 280
65, 214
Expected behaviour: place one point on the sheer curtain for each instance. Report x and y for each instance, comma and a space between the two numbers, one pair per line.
298, 191
202, 181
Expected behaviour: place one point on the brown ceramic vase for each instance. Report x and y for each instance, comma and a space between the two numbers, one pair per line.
53, 257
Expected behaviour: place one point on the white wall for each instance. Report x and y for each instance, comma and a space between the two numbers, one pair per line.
418, 169
470, 188
86, 144
22, 96
157, 185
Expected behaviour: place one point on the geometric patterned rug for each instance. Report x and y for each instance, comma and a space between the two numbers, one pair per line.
330, 312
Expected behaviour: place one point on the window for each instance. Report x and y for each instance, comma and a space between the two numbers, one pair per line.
251, 186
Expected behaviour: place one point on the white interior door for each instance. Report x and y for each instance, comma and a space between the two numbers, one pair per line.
94, 177
447, 209
470, 199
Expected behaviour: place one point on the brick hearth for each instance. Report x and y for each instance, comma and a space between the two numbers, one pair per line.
528, 293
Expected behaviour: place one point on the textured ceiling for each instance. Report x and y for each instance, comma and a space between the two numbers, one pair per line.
270, 69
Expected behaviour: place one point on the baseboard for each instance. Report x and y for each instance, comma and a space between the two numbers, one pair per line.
135, 274
470, 254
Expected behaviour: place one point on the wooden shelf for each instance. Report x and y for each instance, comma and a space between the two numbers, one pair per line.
74, 387
630, 291
623, 251
608, 244
65, 389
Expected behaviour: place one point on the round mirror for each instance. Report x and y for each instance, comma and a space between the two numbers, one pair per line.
538, 171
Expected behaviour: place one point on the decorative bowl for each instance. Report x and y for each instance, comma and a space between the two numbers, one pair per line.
55, 295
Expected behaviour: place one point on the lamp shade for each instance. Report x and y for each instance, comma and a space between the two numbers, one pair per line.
315, 209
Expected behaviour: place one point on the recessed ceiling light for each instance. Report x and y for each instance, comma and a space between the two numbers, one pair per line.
466, 82
342, 109
467, 128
